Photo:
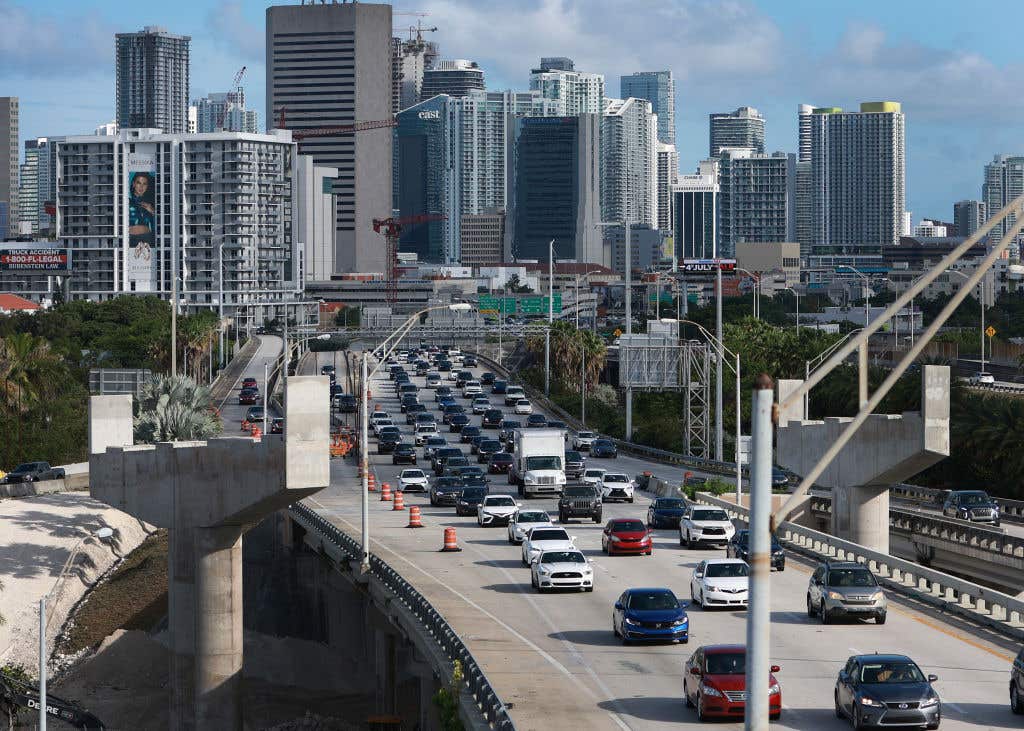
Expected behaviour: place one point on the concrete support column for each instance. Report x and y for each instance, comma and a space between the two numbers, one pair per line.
218, 618
181, 594
861, 515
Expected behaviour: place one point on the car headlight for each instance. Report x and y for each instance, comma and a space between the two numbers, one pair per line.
774, 689
544, 570
711, 691
930, 702
711, 587
614, 539
835, 595
868, 701
528, 480
632, 622
681, 622
877, 596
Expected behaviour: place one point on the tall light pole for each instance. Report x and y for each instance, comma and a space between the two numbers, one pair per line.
583, 349
867, 290
629, 309
551, 317
718, 362
981, 298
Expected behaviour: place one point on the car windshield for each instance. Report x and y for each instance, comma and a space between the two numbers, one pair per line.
602, 443
573, 457
533, 517
974, 498
474, 493
627, 525
502, 501
562, 557
489, 444
616, 478
710, 515
579, 492
543, 463
549, 535
593, 473
850, 577
412, 473
669, 503
510, 424
726, 570
585, 435
726, 663
501, 457
899, 671
649, 600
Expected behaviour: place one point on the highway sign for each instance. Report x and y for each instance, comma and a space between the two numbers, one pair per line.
990, 331
538, 305
507, 305
707, 266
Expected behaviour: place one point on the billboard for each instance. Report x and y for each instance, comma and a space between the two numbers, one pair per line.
707, 266
140, 203
49, 259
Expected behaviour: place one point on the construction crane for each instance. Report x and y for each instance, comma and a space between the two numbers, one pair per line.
392, 229
346, 129
232, 97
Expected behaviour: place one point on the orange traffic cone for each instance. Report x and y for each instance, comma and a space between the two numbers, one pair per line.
385, 493
414, 517
399, 501
245, 425
371, 482
257, 433
450, 544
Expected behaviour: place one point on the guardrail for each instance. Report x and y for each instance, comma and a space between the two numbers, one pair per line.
987, 606
347, 549
997, 387
1009, 510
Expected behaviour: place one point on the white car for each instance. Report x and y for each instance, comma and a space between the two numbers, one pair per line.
496, 509
472, 388
542, 539
524, 521
616, 486
562, 570
720, 582
523, 407
981, 377
433, 380
413, 480
583, 441
593, 476
424, 432
701, 524
380, 424
481, 404
376, 416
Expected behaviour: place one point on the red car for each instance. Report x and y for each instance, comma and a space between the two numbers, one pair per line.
249, 382
499, 463
715, 681
626, 535
248, 396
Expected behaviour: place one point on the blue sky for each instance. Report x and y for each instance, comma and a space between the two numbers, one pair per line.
953, 65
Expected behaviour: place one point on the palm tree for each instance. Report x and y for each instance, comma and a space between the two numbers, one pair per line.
174, 409
26, 364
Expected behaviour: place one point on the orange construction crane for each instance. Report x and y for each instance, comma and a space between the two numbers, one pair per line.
300, 134
392, 229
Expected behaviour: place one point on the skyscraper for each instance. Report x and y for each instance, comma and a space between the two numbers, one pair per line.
9, 163
330, 65
225, 112
152, 80
629, 162
28, 190
668, 173
753, 198
803, 208
1004, 181
858, 177
554, 191
742, 128
695, 209
454, 78
575, 92
968, 216
409, 60
659, 89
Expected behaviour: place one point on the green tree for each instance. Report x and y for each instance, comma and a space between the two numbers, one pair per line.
568, 347
512, 284
174, 409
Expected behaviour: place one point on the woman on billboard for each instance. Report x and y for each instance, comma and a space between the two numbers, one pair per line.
141, 208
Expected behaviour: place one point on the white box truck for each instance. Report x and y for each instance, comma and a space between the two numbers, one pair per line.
539, 464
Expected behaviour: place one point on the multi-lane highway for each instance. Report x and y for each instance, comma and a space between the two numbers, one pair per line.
554, 659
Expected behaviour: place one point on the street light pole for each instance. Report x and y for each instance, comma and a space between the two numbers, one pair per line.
551, 317
718, 364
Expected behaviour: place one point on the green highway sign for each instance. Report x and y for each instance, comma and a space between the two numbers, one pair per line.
507, 305
535, 305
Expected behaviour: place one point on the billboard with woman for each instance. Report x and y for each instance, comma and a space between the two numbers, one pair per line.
141, 199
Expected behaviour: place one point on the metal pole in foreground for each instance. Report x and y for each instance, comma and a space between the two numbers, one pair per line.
364, 386
42, 664
266, 389
739, 434
718, 362
759, 614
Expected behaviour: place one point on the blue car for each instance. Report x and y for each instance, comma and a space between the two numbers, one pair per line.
650, 615
446, 401
665, 512
603, 448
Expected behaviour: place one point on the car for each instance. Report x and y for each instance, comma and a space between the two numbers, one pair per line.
579, 501
523, 407
424, 418
380, 425
248, 396
583, 440
409, 400
451, 410
456, 422
255, 413
485, 448
542, 538
376, 416
567, 569
491, 419
403, 453
523, 521
720, 582
626, 535
469, 498
250, 382
499, 386
431, 443
499, 463
739, 547
469, 361
604, 448
780, 477
593, 475
444, 366
508, 429
876, 691
616, 486
442, 392
979, 378
414, 410
346, 403
425, 432
665, 512
468, 433
277, 425
1017, 684
387, 442
413, 480
327, 370
481, 405
536, 421
845, 588
445, 491
652, 614
441, 454
33, 472
433, 380
574, 465
463, 377
715, 682
496, 510
336, 389
973, 505
450, 465
487, 378
444, 403
704, 525
472, 389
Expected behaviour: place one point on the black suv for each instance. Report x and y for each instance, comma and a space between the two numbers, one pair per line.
574, 465
973, 505
492, 419
739, 547
582, 501
1017, 684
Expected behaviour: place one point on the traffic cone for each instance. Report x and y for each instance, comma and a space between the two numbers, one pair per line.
385, 493
450, 545
414, 517
371, 482
245, 425
399, 501
257, 433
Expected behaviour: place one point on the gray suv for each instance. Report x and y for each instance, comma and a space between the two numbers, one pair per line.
845, 589
973, 505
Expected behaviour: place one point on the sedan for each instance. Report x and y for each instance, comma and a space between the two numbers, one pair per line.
665, 512
650, 614
442, 392
255, 413
543, 539
468, 433
886, 690
593, 475
496, 510
492, 419
456, 422
715, 681
616, 486
403, 453
499, 463
561, 570
486, 378
485, 448
250, 381
469, 499
248, 396
481, 405
739, 547
277, 425
536, 421
432, 443
523, 407
626, 535
603, 448
445, 491
720, 582
524, 521
413, 481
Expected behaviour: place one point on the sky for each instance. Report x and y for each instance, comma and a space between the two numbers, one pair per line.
951, 64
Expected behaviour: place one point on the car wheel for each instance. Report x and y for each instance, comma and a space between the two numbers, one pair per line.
686, 698
631, 500
703, 606
810, 607
880, 618
1016, 702
835, 698
775, 716
701, 716
588, 588
681, 541
823, 614
511, 540
525, 562
597, 518
858, 722
690, 543
782, 568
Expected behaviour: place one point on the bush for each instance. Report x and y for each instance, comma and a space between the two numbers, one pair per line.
336, 342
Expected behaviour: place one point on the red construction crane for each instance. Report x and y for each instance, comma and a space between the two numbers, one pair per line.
232, 97
346, 129
392, 229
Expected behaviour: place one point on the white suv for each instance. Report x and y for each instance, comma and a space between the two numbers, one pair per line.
496, 509
472, 388
424, 431
593, 476
701, 524
524, 521
616, 486
542, 539
583, 440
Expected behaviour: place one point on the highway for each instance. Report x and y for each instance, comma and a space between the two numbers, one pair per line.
553, 657
231, 411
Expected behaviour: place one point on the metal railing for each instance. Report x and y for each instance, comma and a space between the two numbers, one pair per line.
346, 549
1009, 510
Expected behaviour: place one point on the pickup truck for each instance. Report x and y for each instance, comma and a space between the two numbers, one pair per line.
34, 472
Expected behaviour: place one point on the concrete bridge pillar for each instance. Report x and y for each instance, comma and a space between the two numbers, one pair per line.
861, 515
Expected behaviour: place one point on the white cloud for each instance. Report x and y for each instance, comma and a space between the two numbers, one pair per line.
35, 44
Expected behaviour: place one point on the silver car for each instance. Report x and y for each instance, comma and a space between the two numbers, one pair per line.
845, 589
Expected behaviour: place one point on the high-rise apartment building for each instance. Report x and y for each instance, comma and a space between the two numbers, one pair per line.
695, 210
659, 89
742, 128
1004, 181
28, 191
858, 177
557, 63
455, 78
969, 215
554, 190
803, 208
409, 60
225, 112
753, 197
39, 179
152, 80
9, 162
668, 174
575, 92
645, 248
330, 65
483, 236
629, 162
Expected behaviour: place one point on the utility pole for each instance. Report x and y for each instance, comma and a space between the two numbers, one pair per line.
718, 362
551, 317
629, 309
